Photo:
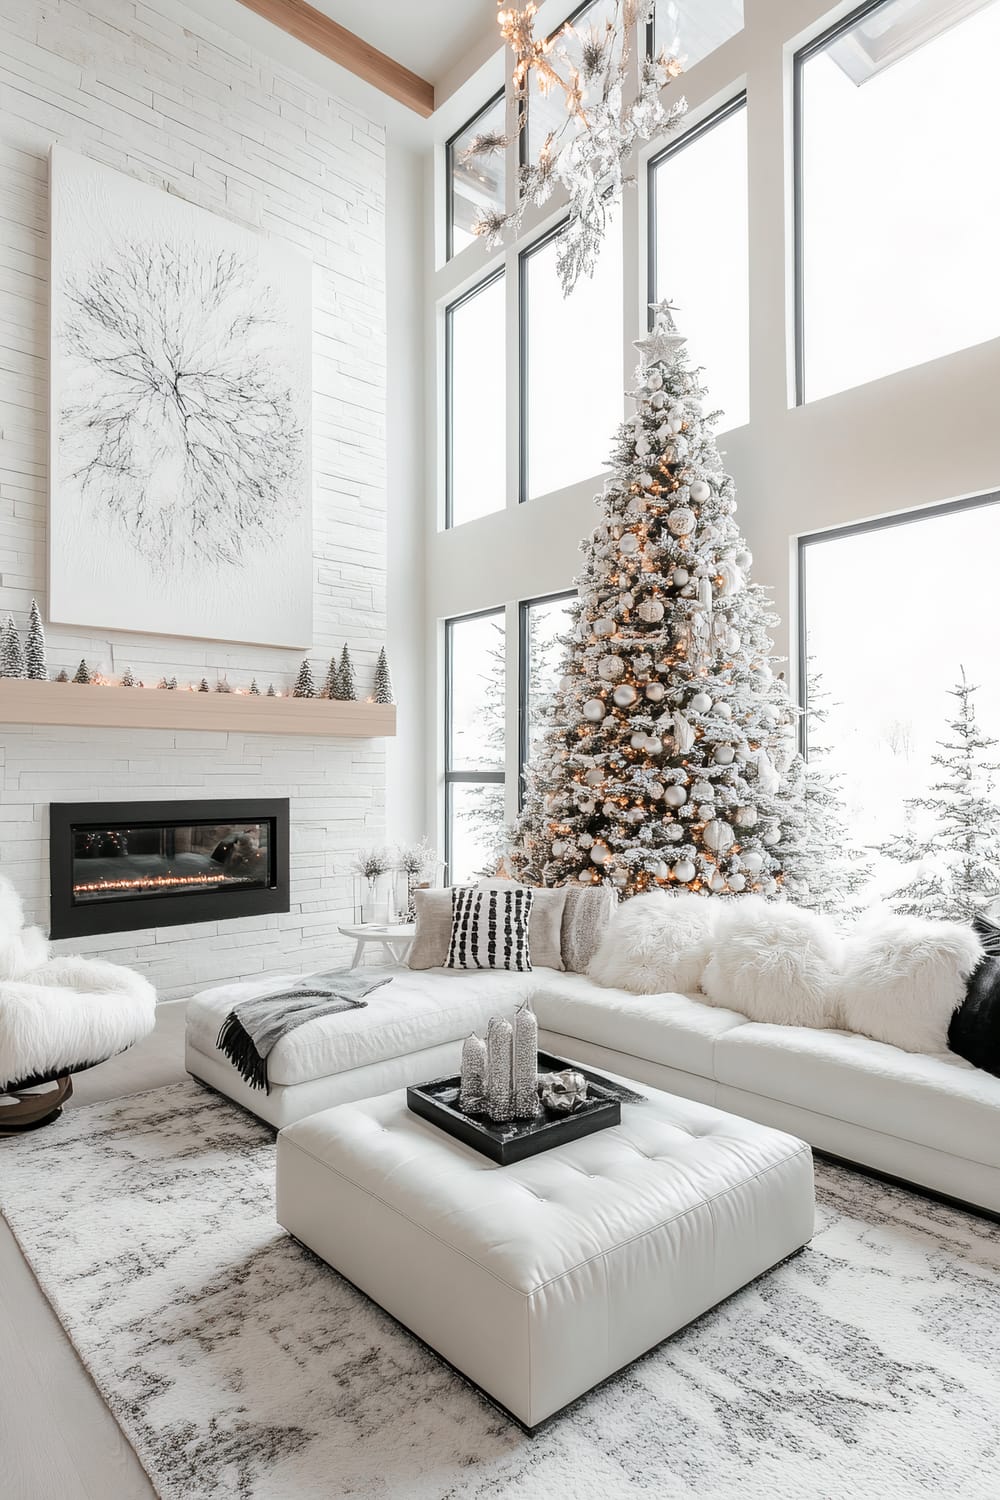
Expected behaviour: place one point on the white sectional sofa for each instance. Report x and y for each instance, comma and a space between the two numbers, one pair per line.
931, 1120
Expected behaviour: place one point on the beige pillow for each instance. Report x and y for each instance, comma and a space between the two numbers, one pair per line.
429, 949
586, 915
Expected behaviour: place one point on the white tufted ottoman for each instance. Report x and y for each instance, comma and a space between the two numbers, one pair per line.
541, 1279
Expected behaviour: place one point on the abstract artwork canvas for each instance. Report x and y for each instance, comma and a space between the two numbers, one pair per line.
181, 392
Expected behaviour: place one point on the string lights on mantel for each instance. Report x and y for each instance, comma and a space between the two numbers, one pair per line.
606, 115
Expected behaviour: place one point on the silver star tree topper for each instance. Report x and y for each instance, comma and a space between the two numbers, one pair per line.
664, 341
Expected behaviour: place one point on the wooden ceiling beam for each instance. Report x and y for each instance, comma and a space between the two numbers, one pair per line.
309, 25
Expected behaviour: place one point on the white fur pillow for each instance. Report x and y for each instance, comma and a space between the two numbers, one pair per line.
775, 963
22, 952
656, 944
904, 977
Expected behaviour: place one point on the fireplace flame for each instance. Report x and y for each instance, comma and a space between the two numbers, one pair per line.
160, 882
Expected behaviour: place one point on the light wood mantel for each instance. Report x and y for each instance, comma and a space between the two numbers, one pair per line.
86, 706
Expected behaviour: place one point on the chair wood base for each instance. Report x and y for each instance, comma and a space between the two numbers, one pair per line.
32, 1110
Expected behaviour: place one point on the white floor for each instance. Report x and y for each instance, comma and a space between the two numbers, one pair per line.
57, 1437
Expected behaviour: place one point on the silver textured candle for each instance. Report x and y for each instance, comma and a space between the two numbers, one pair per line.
525, 1069
472, 1095
499, 1053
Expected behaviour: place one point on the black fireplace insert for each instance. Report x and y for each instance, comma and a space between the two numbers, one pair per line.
115, 866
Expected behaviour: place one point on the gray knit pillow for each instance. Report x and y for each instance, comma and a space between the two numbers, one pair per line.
586, 914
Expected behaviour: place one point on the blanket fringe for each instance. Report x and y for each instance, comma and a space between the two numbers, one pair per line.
235, 1041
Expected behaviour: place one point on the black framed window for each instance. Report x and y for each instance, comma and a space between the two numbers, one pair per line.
477, 184
878, 663
698, 250
475, 741
475, 403
897, 199
569, 410
541, 656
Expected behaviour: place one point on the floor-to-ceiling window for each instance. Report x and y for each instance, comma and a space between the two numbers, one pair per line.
475, 737
545, 624
891, 620
898, 193
475, 426
698, 251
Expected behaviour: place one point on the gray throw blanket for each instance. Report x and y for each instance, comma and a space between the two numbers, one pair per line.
252, 1028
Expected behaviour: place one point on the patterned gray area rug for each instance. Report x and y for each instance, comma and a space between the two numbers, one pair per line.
239, 1366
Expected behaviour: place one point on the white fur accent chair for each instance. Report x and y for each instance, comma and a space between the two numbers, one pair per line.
58, 1016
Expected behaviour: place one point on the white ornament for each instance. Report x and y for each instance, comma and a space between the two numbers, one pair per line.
718, 836
770, 886
586, 805
706, 810
701, 703
634, 815
724, 710
604, 626
723, 755
717, 881
654, 380
620, 877
737, 882
733, 642
657, 400
653, 744
611, 668
680, 577
642, 662
681, 522
744, 559
702, 791
772, 835
655, 692
610, 810
767, 776
746, 817
684, 735
661, 870
594, 710
559, 848
624, 695
584, 841
586, 876
626, 601
638, 740
674, 832
594, 776
599, 852
629, 544
675, 796
753, 861
700, 491
684, 870
651, 611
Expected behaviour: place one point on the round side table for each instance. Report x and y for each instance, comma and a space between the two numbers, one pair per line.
395, 937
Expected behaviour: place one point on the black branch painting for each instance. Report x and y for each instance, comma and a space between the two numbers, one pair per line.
182, 427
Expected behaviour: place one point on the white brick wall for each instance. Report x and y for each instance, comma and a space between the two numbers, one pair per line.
158, 92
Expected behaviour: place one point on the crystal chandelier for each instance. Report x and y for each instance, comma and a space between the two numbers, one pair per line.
587, 153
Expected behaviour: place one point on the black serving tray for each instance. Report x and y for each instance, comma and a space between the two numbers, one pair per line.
513, 1140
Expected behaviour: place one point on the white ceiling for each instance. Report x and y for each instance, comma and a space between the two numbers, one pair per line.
429, 37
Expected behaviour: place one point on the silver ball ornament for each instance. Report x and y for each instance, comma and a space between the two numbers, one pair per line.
655, 692
700, 491
594, 710
718, 836
684, 870
680, 577
675, 796
737, 882
624, 695
674, 832
701, 703
724, 755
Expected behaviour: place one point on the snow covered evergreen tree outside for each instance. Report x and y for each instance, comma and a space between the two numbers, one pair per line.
34, 650
958, 846
11, 651
667, 759
383, 681
830, 872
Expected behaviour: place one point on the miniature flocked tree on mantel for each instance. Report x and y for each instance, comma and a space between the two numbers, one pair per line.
11, 651
670, 740
34, 650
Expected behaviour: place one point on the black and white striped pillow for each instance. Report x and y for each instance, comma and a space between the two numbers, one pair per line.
489, 929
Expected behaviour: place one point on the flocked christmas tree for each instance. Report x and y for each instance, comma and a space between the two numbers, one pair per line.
82, 673
128, 679
347, 685
304, 687
670, 740
11, 651
383, 681
34, 650
954, 831
331, 688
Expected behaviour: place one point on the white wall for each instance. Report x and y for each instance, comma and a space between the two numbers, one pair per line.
858, 454
170, 98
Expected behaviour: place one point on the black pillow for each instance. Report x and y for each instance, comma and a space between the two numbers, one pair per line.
974, 1032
